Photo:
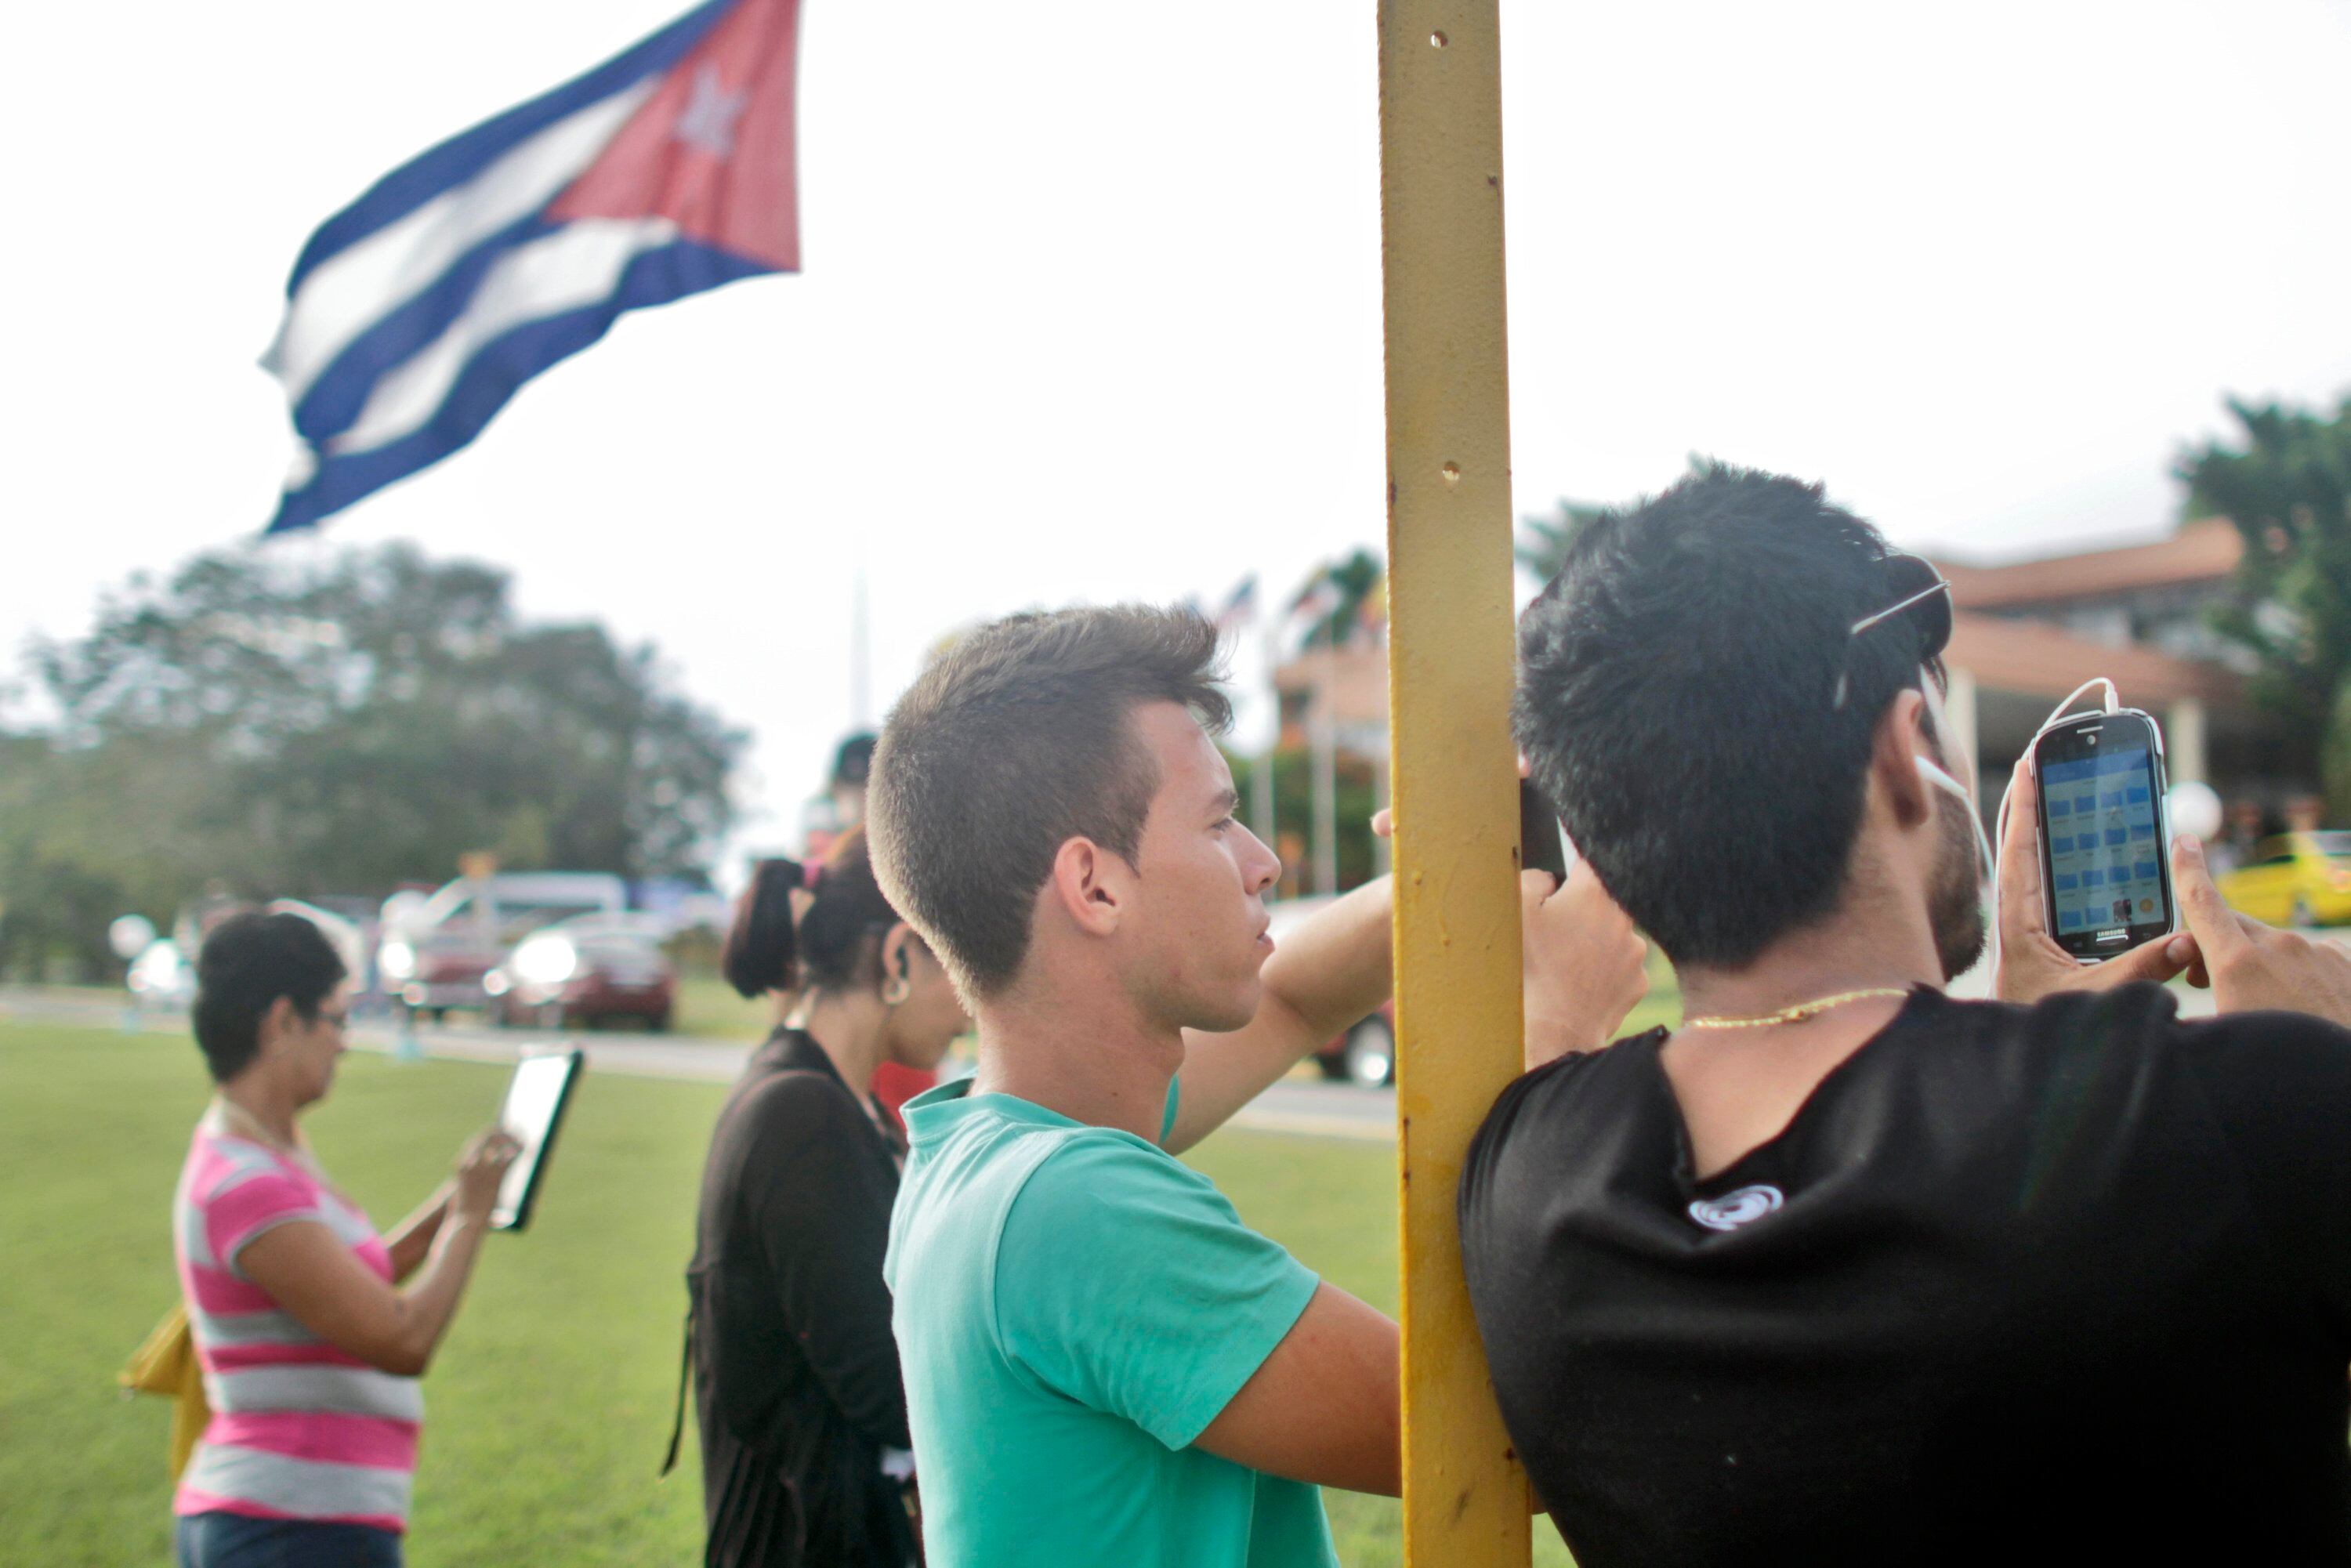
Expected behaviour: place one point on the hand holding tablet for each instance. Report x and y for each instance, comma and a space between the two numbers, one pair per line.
536, 1101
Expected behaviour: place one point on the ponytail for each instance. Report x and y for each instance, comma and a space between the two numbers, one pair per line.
798, 926
762, 947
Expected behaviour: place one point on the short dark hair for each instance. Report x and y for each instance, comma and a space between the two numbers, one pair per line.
1017, 737
244, 966
832, 942
1692, 700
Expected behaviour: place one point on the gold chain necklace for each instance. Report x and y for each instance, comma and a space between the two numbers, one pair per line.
1799, 1012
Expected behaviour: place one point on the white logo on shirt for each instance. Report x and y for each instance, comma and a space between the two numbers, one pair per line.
1733, 1209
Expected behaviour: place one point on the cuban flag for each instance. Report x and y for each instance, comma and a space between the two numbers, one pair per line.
414, 313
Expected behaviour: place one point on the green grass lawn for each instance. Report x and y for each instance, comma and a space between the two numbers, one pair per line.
708, 1008
551, 1402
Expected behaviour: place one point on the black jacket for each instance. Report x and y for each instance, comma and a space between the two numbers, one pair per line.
795, 1373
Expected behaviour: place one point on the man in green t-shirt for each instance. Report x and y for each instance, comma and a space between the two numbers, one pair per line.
1103, 1364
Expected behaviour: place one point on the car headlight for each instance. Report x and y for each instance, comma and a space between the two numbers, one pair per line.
547, 960
396, 959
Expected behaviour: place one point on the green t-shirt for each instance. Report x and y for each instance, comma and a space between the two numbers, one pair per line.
1073, 1305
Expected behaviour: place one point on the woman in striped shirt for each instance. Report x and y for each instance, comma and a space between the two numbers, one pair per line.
309, 1345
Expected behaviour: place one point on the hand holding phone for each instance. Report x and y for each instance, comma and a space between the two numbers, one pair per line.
2031, 965
2098, 808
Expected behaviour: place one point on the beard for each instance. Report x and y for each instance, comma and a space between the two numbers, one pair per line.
1955, 902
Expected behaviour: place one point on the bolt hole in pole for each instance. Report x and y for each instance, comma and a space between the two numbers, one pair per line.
1436, 40
1452, 472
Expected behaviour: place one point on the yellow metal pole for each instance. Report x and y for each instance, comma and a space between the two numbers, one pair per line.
1449, 579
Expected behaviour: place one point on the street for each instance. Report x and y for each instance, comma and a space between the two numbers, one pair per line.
1298, 1105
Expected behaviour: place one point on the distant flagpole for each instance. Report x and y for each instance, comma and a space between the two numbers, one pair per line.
1322, 732
1239, 610
860, 651
1311, 606
1261, 775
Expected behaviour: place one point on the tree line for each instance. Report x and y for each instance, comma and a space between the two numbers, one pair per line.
265, 723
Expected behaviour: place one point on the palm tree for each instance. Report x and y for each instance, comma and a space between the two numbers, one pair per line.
1347, 587
2285, 482
1543, 547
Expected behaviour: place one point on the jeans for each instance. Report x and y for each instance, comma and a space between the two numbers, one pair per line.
233, 1541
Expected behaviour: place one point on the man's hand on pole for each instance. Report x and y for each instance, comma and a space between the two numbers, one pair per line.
1586, 967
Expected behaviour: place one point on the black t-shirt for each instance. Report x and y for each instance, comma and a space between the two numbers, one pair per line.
2069, 1281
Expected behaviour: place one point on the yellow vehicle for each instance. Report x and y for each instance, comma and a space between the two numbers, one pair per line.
2294, 879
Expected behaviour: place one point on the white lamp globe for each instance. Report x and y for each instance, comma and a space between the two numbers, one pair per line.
2196, 810
131, 936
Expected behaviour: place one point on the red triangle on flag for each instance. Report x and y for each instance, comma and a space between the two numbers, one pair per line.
713, 150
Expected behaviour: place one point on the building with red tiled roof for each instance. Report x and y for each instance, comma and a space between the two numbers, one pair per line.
2200, 556
2026, 632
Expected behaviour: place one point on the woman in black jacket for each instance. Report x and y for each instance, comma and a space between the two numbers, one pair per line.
803, 1421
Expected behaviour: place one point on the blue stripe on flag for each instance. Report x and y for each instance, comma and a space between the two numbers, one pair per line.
467, 153
338, 392
498, 370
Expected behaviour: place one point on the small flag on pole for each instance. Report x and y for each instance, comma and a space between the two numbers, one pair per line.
1372, 614
416, 312
1239, 607
1315, 603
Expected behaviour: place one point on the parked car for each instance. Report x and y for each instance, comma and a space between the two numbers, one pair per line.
1365, 1053
2294, 879
437, 952
587, 971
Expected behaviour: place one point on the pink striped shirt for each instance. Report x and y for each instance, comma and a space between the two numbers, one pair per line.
299, 1428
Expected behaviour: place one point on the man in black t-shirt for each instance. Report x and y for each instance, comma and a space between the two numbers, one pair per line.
1844, 1271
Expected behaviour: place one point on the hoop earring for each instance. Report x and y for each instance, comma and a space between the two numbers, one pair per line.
895, 990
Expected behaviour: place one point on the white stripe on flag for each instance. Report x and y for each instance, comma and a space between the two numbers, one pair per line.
358, 287
578, 264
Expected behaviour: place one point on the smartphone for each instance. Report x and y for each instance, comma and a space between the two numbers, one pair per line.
2105, 866
1542, 842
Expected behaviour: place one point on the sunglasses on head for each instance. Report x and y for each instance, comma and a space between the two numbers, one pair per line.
1918, 591
1921, 594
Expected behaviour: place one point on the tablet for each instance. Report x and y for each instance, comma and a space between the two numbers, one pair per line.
534, 1109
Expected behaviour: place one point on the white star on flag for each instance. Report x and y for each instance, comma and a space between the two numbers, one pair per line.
709, 120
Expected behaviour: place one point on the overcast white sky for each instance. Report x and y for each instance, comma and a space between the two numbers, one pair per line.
1091, 306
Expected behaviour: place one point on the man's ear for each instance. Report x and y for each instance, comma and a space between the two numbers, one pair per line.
1896, 746
1090, 883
